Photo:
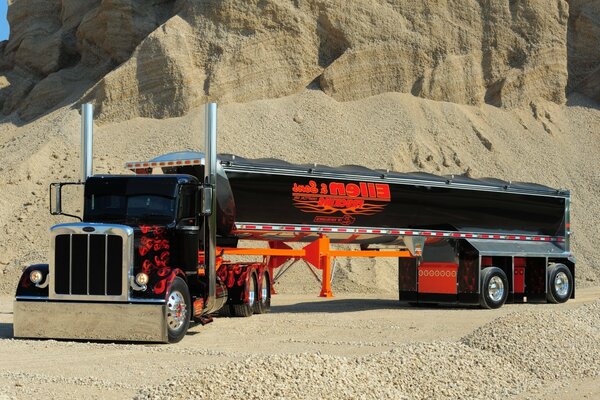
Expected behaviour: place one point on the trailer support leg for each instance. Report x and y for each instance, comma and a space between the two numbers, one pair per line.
317, 253
326, 281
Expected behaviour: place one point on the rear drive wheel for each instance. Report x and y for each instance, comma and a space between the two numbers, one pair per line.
263, 304
494, 288
560, 283
177, 310
246, 309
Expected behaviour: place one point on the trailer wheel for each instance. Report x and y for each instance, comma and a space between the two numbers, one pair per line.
177, 310
494, 288
560, 283
246, 309
263, 304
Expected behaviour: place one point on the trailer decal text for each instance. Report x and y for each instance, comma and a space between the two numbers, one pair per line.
347, 199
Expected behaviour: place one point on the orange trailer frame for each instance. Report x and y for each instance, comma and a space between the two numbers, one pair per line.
318, 253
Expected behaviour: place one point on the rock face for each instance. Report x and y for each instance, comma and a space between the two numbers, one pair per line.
59, 48
584, 47
159, 58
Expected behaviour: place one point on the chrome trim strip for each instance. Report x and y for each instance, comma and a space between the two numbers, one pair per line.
31, 297
243, 227
189, 228
70, 263
396, 180
132, 301
105, 264
568, 223
44, 284
87, 261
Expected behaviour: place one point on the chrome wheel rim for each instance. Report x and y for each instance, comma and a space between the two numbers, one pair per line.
252, 293
176, 310
495, 288
561, 284
264, 290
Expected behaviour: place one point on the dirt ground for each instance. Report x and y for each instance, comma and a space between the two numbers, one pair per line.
347, 326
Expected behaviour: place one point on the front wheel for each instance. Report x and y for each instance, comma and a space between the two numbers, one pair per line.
494, 288
560, 283
177, 310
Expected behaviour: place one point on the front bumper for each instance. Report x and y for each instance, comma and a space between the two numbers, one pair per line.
138, 322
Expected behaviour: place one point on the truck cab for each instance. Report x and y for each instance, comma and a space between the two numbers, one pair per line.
135, 253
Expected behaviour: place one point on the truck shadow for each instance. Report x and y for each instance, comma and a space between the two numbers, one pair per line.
6, 330
347, 305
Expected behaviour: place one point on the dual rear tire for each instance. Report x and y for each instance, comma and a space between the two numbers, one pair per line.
256, 302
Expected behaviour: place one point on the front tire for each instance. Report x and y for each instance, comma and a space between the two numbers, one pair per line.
177, 310
560, 283
494, 288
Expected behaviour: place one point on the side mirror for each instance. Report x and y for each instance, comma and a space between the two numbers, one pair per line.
56, 198
207, 201
55, 194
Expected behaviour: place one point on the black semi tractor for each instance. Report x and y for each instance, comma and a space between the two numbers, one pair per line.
147, 257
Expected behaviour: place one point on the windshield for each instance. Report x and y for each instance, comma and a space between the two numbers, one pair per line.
138, 208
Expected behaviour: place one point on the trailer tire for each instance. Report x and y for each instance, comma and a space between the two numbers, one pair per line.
246, 309
177, 310
493, 289
226, 311
560, 283
263, 304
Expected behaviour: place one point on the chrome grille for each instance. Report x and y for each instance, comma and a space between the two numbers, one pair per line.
91, 262
88, 264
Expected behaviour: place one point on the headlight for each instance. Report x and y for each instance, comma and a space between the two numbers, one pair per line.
36, 276
141, 279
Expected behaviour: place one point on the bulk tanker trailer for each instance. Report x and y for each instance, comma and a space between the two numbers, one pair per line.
149, 255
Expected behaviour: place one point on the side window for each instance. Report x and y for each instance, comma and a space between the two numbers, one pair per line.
187, 205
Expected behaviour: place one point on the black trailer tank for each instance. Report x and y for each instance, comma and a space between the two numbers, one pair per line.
274, 200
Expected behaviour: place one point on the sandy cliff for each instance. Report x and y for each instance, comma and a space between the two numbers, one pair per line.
161, 58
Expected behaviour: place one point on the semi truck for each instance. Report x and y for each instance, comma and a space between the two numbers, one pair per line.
149, 254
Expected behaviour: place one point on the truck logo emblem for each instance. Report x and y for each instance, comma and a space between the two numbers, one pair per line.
89, 229
339, 202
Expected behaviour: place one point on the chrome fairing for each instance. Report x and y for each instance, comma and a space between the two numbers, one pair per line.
126, 267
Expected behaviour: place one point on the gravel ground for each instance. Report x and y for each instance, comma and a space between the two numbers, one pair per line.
525, 350
360, 346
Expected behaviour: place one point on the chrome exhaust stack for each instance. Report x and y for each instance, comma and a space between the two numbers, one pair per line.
210, 219
87, 140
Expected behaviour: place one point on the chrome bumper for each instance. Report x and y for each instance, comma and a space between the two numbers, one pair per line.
91, 321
